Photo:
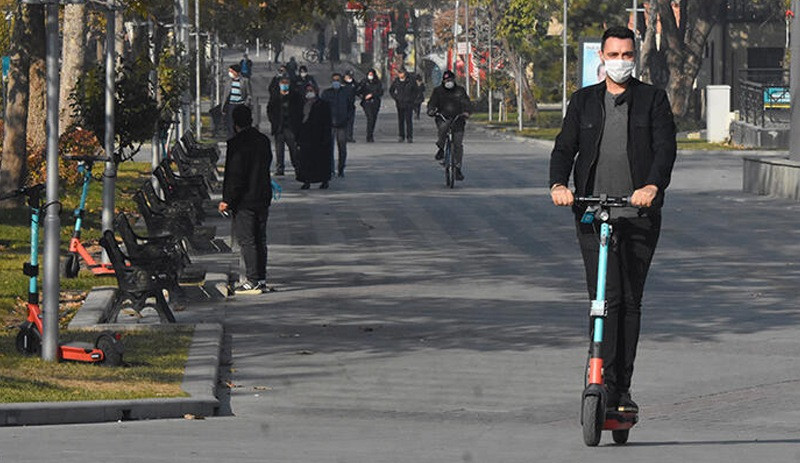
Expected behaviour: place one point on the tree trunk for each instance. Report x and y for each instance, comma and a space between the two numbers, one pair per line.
37, 84
13, 167
73, 59
529, 105
683, 47
119, 36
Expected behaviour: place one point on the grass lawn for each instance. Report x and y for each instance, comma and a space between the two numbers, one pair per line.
15, 245
154, 361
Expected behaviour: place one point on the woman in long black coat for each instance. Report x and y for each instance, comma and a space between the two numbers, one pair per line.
315, 141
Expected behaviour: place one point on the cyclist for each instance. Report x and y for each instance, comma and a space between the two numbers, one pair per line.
450, 100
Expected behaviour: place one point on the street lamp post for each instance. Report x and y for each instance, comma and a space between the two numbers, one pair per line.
564, 63
794, 84
110, 171
455, 39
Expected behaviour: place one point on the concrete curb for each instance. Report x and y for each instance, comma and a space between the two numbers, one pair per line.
199, 380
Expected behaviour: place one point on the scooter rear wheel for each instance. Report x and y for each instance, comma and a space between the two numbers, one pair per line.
71, 266
592, 420
112, 356
621, 436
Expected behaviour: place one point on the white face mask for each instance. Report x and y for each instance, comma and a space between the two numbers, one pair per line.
370, 77
619, 70
449, 84
310, 95
232, 75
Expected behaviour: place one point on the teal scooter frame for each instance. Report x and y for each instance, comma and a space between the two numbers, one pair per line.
77, 251
595, 416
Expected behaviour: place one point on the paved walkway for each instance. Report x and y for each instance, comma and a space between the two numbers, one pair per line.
414, 323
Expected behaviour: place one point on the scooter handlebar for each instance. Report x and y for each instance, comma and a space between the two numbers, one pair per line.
605, 200
24, 191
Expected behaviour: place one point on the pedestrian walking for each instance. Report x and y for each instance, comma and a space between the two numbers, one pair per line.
341, 99
237, 93
285, 113
349, 82
246, 64
370, 90
315, 155
291, 68
304, 78
617, 139
420, 95
246, 195
404, 92
282, 72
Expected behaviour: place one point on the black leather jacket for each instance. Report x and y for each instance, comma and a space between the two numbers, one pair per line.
651, 139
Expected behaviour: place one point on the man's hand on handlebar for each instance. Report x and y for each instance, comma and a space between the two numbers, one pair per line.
561, 195
644, 196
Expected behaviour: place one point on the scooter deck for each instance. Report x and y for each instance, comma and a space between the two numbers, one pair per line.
619, 420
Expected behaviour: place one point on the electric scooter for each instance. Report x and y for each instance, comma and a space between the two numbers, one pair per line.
76, 249
595, 417
107, 348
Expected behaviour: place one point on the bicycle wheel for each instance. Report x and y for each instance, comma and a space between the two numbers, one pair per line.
449, 164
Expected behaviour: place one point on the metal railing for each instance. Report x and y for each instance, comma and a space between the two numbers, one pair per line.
764, 96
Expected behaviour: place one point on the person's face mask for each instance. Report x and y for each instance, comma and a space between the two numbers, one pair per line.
232, 75
449, 84
303, 74
619, 70
402, 78
348, 79
336, 85
284, 87
370, 77
310, 95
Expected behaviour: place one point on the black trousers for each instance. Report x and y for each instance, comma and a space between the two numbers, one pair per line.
285, 138
630, 252
339, 135
350, 124
405, 122
458, 140
371, 111
250, 228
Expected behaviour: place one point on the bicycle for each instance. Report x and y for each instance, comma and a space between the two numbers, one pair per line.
311, 55
449, 162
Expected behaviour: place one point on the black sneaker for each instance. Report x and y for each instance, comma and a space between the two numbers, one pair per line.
459, 175
305, 186
439, 155
249, 288
323, 186
626, 404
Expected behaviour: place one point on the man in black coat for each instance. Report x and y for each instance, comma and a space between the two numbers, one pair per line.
404, 91
349, 82
618, 138
370, 90
246, 195
450, 100
340, 99
285, 112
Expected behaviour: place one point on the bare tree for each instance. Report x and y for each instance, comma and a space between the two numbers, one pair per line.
73, 58
37, 80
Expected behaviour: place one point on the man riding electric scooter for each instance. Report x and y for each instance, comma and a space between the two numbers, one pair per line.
617, 139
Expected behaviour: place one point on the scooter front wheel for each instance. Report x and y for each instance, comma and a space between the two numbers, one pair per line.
620, 436
112, 353
593, 420
71, 266
28, 341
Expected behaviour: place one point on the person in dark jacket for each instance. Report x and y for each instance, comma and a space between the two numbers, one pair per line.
276, 79
246, 64
450, 100
349, 82
370, 90
340, 98
404, 92
285, 112
617, 138
302, 79
246, 195
314, 141
420, 95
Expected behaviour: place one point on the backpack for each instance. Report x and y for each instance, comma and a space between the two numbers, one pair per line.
245, 68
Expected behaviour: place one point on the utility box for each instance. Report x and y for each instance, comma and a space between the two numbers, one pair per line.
718, 113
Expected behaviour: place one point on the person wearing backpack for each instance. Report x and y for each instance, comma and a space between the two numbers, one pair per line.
247, 66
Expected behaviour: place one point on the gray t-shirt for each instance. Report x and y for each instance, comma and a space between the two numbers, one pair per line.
613, 172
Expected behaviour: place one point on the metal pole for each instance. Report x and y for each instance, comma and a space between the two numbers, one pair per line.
52, 222
477, 44
155, 141
519, 94
110, 172
198, 124
468, 56
258, 46
491, 67
794, 76
217, 75
455, 38
635, 5
564, 69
